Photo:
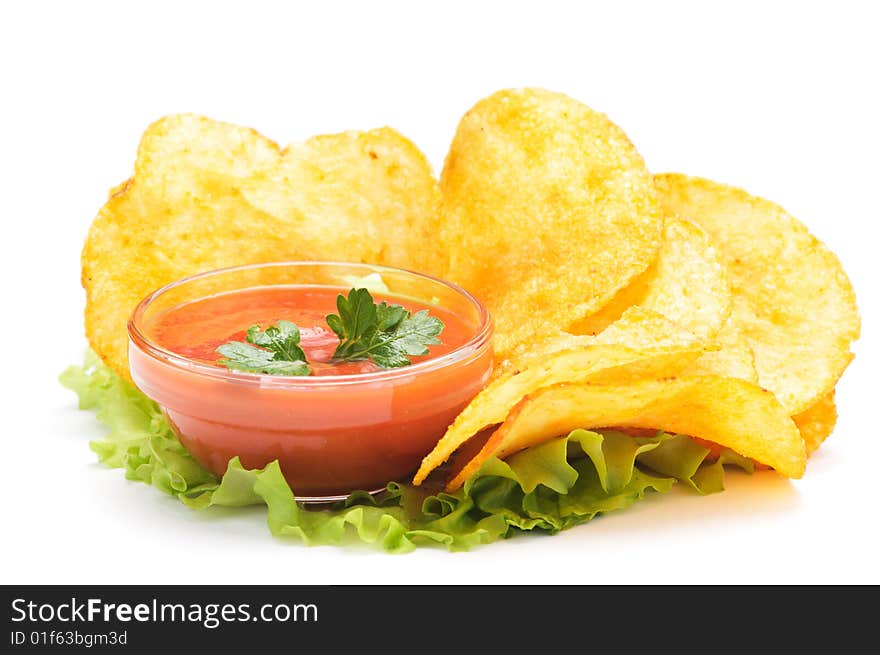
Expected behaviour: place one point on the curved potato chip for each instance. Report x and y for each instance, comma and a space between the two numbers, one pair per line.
631, 295
732, 359
207, 194
687, 283
725, 411
640, 327
599, 363
547, 211
792, 300
817, 422
637, 329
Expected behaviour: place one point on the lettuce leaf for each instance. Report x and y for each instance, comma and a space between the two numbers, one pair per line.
549, 487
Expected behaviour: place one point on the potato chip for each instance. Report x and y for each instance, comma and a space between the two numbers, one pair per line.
547, 211
793, 302
640, 327
817, 422
687, 284
733, 358
729, 412
207, 194
599, 363
637, 329
630, 296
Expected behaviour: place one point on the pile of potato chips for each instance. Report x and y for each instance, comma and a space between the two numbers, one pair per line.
620, 298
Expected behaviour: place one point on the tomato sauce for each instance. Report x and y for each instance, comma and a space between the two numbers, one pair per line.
195, 329
330, 434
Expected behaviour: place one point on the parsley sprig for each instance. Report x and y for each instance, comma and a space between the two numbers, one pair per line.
388, 335
279, 353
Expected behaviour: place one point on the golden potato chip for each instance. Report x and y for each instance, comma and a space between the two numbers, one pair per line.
637, 329
733, 358
599, 363
630, 296
547, 211
687, 284
640, 327
793, 302
207, 194
817, 422
728, 412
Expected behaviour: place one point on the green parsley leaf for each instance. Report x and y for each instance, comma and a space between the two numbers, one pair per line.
279, 354
283, 340
386, 334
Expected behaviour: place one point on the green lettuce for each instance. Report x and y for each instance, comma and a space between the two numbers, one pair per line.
549, 487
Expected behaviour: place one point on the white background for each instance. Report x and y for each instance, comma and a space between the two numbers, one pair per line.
778, 98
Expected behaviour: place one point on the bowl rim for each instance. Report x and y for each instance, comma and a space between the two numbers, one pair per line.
139, 339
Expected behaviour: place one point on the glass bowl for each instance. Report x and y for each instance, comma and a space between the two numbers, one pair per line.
331, 434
